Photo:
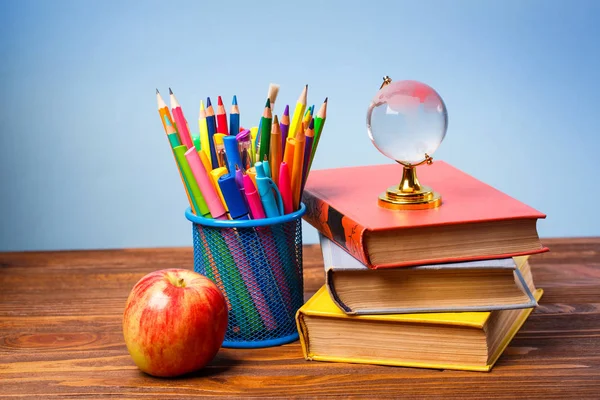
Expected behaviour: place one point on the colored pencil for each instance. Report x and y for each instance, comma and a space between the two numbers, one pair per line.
310, 134
182, 128
221, 117
297, 168
284, 125
212, 129
288, 154
306, 119
319, 123
275, 150
203, 129
234, 117
296, 123
163, 111
265, 132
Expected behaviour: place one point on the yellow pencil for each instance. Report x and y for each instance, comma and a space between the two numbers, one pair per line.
297, 168
203, 127
296, 123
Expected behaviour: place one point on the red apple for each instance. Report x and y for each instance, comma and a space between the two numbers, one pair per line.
174, 322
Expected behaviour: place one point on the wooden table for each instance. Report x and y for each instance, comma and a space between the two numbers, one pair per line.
60, 336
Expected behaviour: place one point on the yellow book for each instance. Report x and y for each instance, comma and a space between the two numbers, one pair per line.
471, 341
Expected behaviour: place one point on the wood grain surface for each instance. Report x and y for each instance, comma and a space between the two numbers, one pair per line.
60, 337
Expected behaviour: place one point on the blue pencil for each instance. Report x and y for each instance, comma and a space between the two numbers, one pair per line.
234, 118
211, 124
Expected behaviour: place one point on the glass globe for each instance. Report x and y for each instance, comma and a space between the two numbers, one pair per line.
406, 120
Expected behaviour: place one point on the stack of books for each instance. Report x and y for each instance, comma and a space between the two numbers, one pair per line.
444, 288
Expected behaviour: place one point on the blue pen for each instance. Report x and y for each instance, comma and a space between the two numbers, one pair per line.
267, 168
265, 187
232, 152
233, 198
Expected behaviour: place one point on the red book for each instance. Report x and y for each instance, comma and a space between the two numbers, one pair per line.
474, 222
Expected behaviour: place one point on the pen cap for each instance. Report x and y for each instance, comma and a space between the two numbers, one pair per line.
232, 153
260, 170
233, 198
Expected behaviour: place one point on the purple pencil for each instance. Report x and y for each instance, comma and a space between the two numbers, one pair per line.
309, 135
284, 125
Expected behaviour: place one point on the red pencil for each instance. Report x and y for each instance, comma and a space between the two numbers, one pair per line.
221, 117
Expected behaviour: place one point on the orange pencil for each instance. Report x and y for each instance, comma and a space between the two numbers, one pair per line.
297, 168
163, 110
288, 155
275, 149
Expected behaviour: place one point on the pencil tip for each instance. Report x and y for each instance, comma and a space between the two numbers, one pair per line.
234, 102
170, 91
286, 112
325, 99
275, 120
208, 103
268, 104
219, 101
157, 92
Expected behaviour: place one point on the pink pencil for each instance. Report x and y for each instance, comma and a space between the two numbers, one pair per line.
211, 197
285, 188
182, 126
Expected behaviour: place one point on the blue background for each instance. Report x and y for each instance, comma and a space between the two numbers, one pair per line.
84, 162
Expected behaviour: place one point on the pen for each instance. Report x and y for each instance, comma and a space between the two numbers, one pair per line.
275, 156
211, 197
184, 133
220, 149
254, 204
245, 149
265, 188
232, 153
267, 168
285, 188
233, 198
212, 129
221, 117
234, 117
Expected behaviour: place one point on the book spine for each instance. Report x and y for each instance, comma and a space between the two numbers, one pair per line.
345, 232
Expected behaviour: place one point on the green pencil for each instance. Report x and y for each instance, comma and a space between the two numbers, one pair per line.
319, 123
265, 132
195, 193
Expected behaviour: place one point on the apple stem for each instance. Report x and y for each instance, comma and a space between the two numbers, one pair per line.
181, 283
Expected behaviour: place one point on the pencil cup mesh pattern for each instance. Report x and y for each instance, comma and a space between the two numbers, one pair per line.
259, 270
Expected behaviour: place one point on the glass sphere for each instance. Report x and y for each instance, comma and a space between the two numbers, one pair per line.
406, 120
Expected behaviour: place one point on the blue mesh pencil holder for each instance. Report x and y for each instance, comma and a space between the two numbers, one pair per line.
257, 264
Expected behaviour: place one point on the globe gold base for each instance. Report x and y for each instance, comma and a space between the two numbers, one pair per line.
409, 194
393, 199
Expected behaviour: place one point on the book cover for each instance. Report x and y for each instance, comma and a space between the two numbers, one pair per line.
321, 305
336, 260
342, 204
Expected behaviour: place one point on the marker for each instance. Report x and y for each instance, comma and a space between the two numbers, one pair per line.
214, 176
254, 204
285, 188
211, 197
265, 188
235, 203
232, 153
